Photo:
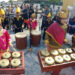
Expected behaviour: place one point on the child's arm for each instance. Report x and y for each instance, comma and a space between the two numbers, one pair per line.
28, 23
9, 44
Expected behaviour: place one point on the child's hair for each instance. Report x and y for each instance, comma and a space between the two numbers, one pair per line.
33, 15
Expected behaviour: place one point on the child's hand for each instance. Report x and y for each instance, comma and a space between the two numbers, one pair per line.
14, 49
65, 41
11, 45
23, 26
8, 50
46, 42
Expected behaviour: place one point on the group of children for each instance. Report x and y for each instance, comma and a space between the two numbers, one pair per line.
18, 22
55, 32
5, 41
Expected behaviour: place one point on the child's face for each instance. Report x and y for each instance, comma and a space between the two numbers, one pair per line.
18, 14
49, 18
3, 16
64, 21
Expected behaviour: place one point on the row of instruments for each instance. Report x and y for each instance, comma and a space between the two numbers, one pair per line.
21, 39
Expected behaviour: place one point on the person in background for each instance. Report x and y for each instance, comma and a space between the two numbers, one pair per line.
46, 11
31, 11
36, 11
14, 9
18, 21
57, 10
9, 9
32, 21
46, 24
5, 42
55, 16
55, 34
4, 19
3, 8
71, 28
25, 15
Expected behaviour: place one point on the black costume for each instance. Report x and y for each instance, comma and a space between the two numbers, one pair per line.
5, 23
31, 11
71, 28
45, 25
25, 16
18, 24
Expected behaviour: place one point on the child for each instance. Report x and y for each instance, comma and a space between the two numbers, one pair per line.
4, 19
4, 39
32, 21
18, 21
55, 34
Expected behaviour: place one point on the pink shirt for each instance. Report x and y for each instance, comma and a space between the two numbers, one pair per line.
4, 40
34, 24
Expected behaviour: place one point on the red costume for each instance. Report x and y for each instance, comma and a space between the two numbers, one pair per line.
56, 34
4, 40
33, 23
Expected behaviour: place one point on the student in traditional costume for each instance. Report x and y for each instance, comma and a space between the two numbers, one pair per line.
55, 34
32, 21
5, 21
5, 41
18, 21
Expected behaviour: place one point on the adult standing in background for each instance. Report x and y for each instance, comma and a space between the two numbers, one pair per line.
36, 10
31, 11
57, 10
46, 11
14, 9
25, 15
9, 9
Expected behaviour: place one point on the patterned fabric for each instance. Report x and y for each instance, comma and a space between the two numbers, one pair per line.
34, 23
56, 35
4, 40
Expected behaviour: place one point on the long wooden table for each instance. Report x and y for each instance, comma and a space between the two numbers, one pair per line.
14, 71
56, 68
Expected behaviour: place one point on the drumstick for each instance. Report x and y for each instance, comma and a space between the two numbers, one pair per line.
11, 45
45, 48
14, 49
30, 49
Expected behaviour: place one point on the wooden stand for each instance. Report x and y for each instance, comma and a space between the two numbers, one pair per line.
56, 68
56, 72
14, 71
